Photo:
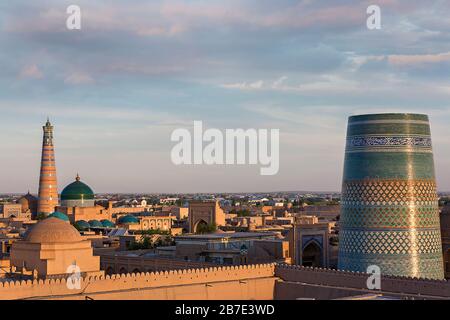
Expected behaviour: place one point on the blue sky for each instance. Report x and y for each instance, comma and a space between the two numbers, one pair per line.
137, 70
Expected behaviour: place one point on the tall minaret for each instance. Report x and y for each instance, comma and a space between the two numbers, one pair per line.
48, 187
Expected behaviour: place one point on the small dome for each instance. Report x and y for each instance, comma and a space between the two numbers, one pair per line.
77, 191
107, 224
53, 230
95, 224
82, 225
128, 219
58, 215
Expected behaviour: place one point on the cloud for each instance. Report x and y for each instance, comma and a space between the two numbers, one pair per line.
31, 72
319, 117
324, 83
414, 59
137, 68
245, 85
175, 17
79, 78
277, 83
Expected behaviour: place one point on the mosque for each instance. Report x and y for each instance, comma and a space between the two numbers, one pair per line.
78, 204
54, 243
50, 248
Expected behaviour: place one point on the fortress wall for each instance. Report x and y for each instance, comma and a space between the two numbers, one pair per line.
147, 264
294, 290
333, 279
265, 281
248, 289
240, 282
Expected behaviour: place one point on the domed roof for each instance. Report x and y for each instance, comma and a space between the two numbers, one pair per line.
77, 191
82, 225
95, 224
53, 230
128, 219
107, 224
58, 215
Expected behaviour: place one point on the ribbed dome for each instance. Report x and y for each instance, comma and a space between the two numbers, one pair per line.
107, 224
128, 219
77, 191
53, 230
95, 224
59, 215
82, 225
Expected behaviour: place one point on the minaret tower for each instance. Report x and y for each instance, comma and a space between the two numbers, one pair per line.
48, 187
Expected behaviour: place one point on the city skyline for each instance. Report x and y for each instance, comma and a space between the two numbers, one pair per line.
116, 89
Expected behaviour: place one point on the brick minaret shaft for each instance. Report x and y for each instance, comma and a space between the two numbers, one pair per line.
48, 187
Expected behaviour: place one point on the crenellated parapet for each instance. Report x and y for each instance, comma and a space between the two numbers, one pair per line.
358, 280
97, 285
353, 273
259, 281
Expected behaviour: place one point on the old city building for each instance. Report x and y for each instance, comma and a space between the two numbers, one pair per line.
50, 248
203, 213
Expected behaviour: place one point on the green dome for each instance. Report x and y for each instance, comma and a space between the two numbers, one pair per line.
77, 191
107, 224
95, 224
82, 225
128, 219
59, 215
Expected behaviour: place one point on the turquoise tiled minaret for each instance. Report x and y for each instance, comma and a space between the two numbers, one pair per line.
389, 215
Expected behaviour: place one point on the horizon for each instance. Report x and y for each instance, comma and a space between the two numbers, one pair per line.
321, 192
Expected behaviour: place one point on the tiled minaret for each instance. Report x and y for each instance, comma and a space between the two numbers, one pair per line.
389, 208
48, 187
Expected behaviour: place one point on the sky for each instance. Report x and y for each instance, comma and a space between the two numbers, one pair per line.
137, 70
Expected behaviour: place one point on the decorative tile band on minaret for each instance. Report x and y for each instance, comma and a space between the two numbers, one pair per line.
48, 187
389, 207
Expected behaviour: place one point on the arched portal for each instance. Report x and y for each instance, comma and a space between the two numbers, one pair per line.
200, 226
312, 255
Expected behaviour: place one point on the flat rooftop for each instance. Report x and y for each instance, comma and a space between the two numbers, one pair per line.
226, 235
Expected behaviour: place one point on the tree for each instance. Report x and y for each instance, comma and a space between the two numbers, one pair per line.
156, 231
143, 244
243, 213
41, 216
206, 228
